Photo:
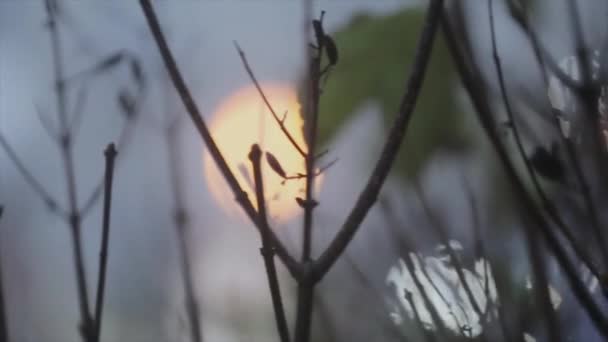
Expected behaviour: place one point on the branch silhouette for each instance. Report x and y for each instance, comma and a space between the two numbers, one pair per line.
369, 195
194, 114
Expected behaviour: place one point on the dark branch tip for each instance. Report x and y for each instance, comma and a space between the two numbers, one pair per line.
238, 47
110, 151
255, 154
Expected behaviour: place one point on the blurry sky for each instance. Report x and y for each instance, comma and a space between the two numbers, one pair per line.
143, 287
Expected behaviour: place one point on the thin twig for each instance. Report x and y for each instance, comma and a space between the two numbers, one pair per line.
312, 92
586, 91
110, 154
50, 202
540, 282
481, 254
366, 283
423, 330
368, 196
311, 106
589, 95
472, 85
317, 173
280, 121
123, 139
443, 237
46, 124
543, 59
406, 247
550, 208
532, 241
582, 55
267, 250
306, 286
181, 222
520, 18
87, 327
194, 113
78, 110
437, 320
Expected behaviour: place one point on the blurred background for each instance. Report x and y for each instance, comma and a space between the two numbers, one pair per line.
445, 160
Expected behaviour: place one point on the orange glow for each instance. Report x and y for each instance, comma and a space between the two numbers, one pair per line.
241, 120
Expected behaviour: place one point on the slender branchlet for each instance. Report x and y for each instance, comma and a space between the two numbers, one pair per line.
441, 231
63, 134
182, 225
197, 119
406, 248
280, 121
267, 250
474, 87
311, 97
368, 196
481, 254
545, 62
38, 188
589, 95
110, 154
520, 18
87, 325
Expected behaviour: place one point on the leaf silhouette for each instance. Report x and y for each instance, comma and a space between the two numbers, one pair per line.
301, 202
331, 49
373, 66
275, 165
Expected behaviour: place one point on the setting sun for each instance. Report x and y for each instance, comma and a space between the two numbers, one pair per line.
241, 120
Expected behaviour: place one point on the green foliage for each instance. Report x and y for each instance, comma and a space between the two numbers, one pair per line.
375, 56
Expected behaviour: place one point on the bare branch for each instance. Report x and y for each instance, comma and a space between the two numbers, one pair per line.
443, 237
46, 124
122, 140
182, 224
312, 93
87, 324
280, 121
520, 18
368, 196
51, 203
78, 110
473, 84
267, 250
110, 154
549, 207
541, 285
582, 55
317, 173
199, 123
